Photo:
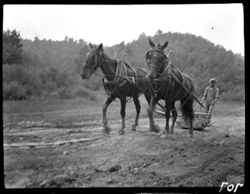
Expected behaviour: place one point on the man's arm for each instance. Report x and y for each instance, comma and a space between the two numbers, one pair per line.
204, 95
216, 96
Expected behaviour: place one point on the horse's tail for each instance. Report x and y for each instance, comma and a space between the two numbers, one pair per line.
187, 110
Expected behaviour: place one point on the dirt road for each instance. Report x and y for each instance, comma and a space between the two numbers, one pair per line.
43, 154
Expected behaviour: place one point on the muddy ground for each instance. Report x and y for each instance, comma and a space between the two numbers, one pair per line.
45, 154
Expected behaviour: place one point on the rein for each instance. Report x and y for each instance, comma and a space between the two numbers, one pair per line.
162, 76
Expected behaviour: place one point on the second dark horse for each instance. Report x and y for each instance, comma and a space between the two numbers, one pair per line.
170, 84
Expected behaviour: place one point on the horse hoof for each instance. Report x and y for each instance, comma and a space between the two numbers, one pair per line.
133, 128
121, 132
166, 132
155, 129
163, 135
191, 135
106, 129
172, 136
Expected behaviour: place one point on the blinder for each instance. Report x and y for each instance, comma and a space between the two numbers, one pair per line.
97, 61
147, 55
166, 59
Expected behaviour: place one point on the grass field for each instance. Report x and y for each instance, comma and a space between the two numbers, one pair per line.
80, 109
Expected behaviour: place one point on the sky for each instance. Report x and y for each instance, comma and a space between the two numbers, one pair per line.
222, 24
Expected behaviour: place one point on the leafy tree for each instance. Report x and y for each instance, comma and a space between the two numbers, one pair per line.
12, 47
79, 61
159, 32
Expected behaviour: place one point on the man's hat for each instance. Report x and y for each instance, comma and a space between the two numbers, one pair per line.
213, 80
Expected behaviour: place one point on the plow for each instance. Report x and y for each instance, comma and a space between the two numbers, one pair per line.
201, 120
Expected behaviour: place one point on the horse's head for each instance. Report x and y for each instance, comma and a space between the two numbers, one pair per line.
93, 60
156, 59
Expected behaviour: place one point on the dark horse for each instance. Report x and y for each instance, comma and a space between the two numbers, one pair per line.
162, 76
120, 82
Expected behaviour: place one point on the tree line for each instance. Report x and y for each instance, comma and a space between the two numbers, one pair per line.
37, 67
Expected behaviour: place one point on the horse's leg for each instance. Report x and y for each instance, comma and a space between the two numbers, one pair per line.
147, 98
104, 113
138, 109
190, 111
150, 111
188, 114
174, 117
191, 118
123, 107
167, 117
191, 128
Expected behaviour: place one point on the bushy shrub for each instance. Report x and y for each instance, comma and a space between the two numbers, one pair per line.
23, 76
64, 79
11, 72
14, 91
64, 93
50, 87
94, 83
233, 96
236, 94
84, 93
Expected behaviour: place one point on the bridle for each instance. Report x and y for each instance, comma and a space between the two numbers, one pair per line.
162, 75
97, 61
162, 53
155, 50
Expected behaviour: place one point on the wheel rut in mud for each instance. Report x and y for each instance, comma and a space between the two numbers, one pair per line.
81, 155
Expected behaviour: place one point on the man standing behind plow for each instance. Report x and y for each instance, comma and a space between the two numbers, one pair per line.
210, 96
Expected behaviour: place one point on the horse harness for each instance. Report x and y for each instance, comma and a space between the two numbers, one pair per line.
169, 72
159, 51
162, 76
120, 78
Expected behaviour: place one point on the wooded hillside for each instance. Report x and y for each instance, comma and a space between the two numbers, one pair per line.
48, 67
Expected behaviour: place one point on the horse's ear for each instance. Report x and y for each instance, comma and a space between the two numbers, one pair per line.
90, 45
151, 43
100, 47
165, 45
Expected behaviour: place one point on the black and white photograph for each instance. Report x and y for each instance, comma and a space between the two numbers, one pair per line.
124, 96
